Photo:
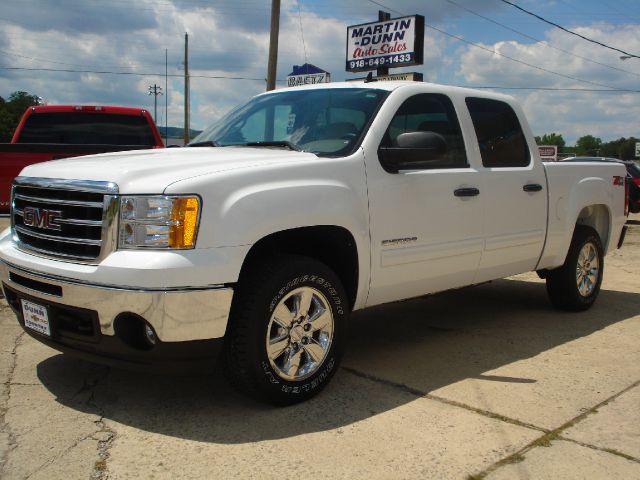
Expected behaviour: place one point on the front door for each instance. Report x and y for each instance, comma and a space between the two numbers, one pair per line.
425, 222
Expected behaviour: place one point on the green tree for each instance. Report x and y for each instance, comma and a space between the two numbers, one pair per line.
623, 148
11, 111
551, 139
588, 145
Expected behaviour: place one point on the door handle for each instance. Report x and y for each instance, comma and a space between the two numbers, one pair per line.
466, 192
532, 187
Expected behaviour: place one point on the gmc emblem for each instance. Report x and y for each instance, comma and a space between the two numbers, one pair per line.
41, 218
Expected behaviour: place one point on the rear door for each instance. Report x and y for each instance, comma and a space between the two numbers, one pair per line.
515, 191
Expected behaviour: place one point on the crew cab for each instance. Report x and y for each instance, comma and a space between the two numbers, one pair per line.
49, 132
295, 209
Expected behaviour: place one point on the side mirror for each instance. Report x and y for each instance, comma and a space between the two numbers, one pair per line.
415, 150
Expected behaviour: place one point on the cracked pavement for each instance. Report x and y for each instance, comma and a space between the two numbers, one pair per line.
487, 382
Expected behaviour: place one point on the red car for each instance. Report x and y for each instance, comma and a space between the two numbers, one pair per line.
51, 132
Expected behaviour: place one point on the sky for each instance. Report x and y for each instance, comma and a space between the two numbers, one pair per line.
60, 49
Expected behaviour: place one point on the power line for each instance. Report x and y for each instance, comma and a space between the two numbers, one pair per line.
35, 59
220, 77
569, 31
520, 61
540, 41
554, 89
500, 54
141, 74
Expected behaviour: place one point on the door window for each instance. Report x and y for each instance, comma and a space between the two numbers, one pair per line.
430, 112
502, 142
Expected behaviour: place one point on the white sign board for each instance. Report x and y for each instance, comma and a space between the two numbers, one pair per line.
637, 149
548, 153
397, 42
308, 79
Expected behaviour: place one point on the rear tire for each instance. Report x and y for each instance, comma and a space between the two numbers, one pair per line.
287, 329
576, 285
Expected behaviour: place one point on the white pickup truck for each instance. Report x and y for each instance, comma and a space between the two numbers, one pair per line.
292, 211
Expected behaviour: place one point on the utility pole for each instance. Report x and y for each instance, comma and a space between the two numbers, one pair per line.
155, 90
382, 16
273, 45
187, 101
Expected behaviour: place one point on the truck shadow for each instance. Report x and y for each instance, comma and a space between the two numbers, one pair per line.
413, 347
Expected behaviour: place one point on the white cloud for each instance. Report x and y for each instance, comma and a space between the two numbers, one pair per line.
574, 114
230, 39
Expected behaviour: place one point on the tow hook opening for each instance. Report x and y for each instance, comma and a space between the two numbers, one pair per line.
135, 331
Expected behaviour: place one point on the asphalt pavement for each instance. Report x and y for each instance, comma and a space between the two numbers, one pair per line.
485, 382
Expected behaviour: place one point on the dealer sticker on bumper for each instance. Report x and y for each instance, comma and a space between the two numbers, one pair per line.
36, 318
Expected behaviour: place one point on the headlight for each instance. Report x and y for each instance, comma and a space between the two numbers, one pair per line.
158, 222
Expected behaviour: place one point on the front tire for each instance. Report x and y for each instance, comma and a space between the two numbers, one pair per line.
287, 329
576, 285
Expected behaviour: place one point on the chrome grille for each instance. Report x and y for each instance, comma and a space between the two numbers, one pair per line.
67, 219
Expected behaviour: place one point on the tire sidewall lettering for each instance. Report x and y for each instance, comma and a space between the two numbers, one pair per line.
315, 382
319, 378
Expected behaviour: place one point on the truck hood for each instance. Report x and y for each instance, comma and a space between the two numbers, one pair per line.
151, 171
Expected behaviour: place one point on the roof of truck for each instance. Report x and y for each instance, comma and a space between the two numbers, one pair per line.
88, 108
395, 85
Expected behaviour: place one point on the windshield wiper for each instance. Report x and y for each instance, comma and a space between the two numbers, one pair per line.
206, 143
276, 143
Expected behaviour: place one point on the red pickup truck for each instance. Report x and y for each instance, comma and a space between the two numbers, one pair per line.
51, 132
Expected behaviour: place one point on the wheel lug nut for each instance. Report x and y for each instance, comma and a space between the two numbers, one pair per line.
307, 327
305, 340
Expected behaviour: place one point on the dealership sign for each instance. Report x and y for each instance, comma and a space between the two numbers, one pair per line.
397, 42
307, 74
548, 153
297, 80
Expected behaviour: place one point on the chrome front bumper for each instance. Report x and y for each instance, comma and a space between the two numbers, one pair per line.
176, 315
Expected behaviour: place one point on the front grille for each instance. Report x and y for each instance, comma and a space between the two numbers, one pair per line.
63, 218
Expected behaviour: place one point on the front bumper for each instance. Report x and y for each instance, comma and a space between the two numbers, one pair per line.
176, 315
188, 323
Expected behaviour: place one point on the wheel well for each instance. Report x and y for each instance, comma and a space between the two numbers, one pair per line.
598, 218
334, 246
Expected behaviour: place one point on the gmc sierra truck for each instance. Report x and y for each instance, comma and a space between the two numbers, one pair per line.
51, 132
295, 209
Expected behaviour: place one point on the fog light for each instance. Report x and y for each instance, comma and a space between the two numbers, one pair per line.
151, 335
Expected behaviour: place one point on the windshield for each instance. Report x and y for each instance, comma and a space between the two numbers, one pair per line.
327, 121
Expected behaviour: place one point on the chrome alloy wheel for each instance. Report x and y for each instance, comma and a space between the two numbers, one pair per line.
587, 269
299, 334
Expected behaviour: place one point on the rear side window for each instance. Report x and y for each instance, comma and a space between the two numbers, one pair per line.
430, 112
87, 128
502, 142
